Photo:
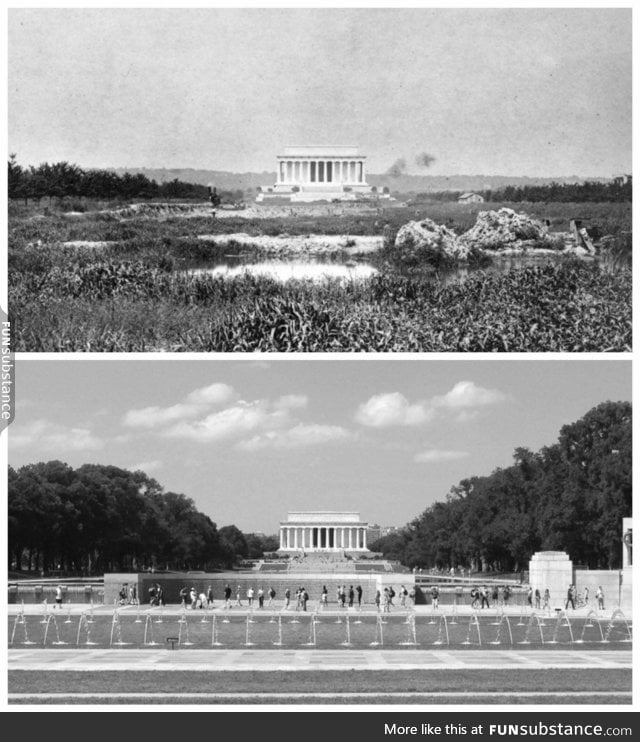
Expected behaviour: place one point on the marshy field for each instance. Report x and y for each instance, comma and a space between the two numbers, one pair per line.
172, 277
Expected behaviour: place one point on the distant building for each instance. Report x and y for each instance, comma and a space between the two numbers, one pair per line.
470, 198
375, 531
621, 180
323, 531
320, 173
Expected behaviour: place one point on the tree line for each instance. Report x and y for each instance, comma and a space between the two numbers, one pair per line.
64, 180
587, 192
570, 496
98, 518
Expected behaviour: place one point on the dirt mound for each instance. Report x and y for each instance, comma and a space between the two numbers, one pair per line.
428, 239
155, 210
494, 230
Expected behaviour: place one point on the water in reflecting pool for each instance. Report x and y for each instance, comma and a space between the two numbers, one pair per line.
294, 269
318, 269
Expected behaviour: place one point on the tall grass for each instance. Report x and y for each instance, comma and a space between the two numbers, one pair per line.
131, 295
129, 306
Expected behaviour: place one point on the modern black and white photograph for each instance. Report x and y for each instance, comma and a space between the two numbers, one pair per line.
320, 179
321, 533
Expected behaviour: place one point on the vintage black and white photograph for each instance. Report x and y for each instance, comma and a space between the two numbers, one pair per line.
321, 533
320, 179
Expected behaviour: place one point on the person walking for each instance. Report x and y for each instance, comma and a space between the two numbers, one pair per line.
403, 598
184, 594
250, 596
260, 597
324, 597
359, 594
506, 594
435, 595
537, 598
272, 595
570, 598
484, 597
209, 597
475, 596
386, 601
377, 601
287, 599
59, 594
530, 597
546, 600
392, 595
227, 596
239, 596
585, 596
600, 598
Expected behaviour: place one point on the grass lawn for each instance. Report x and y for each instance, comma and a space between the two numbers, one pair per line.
375, 686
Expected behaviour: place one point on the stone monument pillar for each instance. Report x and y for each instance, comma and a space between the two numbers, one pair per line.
552, 570
626, 576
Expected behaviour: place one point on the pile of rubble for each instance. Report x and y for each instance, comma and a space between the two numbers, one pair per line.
429, 240
498, 229
494, 231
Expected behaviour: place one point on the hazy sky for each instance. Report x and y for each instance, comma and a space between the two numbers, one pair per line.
249, 440
537, 91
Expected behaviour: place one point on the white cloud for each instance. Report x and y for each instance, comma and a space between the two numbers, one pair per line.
44, 435
299, 436
251, 425
386, 410
435, 456
195, 402
153, 417
226, 424
468, 394
212, 394
291, 402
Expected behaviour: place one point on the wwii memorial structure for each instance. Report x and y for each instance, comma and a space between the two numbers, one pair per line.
319, 173
277, 602
329, 549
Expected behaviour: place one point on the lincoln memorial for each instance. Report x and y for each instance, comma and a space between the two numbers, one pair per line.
323, 531
320, 173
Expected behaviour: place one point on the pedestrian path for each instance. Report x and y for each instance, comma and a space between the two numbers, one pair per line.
208, 660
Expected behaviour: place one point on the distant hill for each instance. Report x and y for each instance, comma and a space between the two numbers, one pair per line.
225, 180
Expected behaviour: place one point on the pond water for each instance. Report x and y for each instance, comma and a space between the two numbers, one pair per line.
318, 269
285, 270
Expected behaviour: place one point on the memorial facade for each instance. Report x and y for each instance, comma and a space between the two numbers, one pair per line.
323, 531
320, 173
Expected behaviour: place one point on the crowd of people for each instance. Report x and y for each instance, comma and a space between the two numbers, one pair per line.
352, 597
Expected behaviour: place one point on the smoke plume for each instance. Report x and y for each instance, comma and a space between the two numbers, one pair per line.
425, 160
398, 168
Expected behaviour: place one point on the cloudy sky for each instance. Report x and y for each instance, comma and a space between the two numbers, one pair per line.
530, 91
249, 440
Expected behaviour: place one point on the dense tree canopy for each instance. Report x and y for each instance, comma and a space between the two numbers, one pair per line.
587, 192
570, 497
61, 180
98, 518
